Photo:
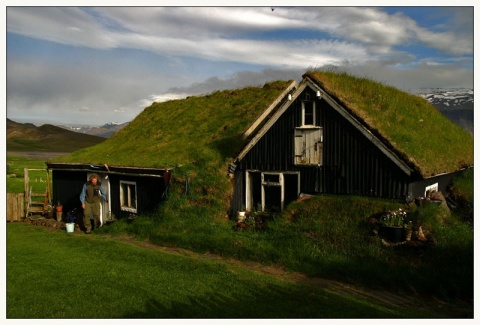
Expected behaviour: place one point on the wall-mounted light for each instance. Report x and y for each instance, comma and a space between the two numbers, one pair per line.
289, 96
319, 94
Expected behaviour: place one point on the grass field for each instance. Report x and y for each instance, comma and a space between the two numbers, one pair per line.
51, 273
55, 274
15, 173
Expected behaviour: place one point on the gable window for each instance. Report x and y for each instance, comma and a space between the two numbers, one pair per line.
128, 196
308, 112
309, 146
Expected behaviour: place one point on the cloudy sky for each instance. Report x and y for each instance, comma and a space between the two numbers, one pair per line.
93, 65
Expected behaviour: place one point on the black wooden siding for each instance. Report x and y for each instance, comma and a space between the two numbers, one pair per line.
67, 186
351, 163
149, 193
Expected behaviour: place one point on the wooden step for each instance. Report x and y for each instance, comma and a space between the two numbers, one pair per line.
37, 203
38, 195
36, 209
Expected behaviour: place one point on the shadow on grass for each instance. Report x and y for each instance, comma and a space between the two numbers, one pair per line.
273, 302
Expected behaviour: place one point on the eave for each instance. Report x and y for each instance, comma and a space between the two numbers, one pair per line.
120, 170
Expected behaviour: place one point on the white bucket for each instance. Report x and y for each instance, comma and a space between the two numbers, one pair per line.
241, 216
70, 227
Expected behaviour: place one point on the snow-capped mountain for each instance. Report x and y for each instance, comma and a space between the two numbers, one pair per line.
456, 104
449, 98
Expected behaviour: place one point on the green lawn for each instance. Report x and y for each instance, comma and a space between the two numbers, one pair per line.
52, 274
55, 274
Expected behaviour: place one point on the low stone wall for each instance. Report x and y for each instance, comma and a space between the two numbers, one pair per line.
49, 222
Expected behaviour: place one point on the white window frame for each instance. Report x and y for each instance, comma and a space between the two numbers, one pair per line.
131, 205
264, 183
314, 113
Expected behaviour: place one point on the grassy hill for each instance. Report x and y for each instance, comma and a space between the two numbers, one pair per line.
197, 136
181, 132
28, 137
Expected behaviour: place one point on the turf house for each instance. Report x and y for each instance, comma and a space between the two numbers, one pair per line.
259, 148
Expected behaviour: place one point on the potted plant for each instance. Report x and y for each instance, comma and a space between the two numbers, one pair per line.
393, 225
59, 210
49, 211
434, 197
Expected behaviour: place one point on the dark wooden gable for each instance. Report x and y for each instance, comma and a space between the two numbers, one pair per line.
352, 160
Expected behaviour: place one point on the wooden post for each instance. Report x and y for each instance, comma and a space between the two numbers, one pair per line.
49, 198
25, 193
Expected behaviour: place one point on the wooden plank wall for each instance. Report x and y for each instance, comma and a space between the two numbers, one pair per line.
15, 206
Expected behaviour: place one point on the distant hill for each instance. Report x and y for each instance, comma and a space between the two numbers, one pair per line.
28, 137
104, 131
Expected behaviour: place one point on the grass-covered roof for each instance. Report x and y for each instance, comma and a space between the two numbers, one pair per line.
209, 129
410, 125
205, 129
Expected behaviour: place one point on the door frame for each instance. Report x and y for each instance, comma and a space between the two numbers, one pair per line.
266, 183
104, 206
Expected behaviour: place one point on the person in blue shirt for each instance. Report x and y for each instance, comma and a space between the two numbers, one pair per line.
90, 198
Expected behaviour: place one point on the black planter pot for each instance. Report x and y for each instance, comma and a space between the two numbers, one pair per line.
436, 202
393, 234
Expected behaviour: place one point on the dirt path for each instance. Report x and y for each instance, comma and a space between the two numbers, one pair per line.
385, 298
388, 299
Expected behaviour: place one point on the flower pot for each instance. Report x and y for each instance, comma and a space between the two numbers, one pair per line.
419, 201
59, 208
70, 227
241, 216
393, 234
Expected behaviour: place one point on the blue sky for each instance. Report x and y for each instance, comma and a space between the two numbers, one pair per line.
93, 65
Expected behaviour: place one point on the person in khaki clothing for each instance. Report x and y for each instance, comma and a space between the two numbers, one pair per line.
90, 198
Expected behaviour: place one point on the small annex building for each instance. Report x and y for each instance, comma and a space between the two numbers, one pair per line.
333, 133
182, 141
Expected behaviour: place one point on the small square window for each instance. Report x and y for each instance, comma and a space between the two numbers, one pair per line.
308, 113
128, 196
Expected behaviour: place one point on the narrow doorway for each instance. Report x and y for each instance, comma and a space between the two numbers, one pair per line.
271, 191
104, 206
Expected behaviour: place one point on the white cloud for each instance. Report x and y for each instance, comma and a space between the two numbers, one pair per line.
124, 58
222, 33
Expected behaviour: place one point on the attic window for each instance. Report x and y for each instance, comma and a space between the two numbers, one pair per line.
308, 113
128, 196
